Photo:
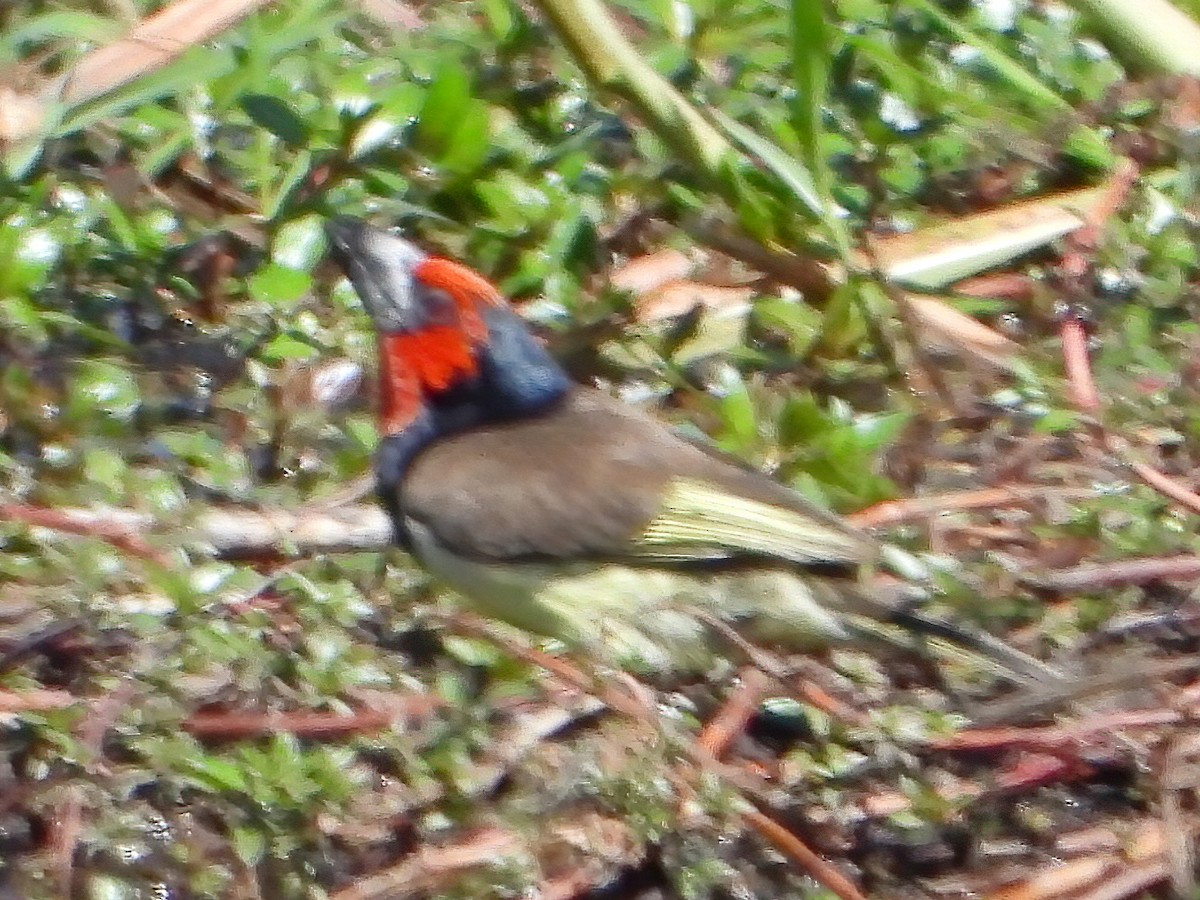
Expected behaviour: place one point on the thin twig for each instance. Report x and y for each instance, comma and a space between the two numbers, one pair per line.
429, 867
1059, 738
1075, 361
232, 726
787, 843
1165, 485
117, 533
893, 512
732, 717
1130, 882
1095, 576
227, 532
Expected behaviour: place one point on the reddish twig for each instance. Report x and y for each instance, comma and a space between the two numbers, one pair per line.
1013, 286
893, 512
1080, 246
1030, 771
35, 701
1165, 485
732, 717
816, 696
556, 666
430, 866
87, 525
1084, 394
322, 725
1059, 880
1093, 576
1056, 739
1078, 368
796, 850
1132, 881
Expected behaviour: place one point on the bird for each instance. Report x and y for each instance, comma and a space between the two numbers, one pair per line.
566, 512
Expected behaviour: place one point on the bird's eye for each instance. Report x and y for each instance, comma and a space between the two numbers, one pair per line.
438, 306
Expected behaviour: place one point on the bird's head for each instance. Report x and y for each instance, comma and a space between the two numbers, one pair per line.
449, 344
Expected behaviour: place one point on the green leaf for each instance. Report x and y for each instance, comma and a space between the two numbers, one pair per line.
105, 467
1017, 77
876, 432
292, 178
468, 146
739, 418
300, 243
444, 104
799, 322
218, 774
279, 285
64, 24
1057, 421
499, 18
276, 117
250, 844
810, 55
285, 346
107, 387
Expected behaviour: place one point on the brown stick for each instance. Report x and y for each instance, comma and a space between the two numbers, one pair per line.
1075, 361
1165, 485
81, 522
1092, 576
430, 866
732, 717
893, 512
1056, 739
230, 533
797, 850
240, 725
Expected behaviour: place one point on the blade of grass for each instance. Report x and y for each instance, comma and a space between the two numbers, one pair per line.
1157, 35
812, 55
612, 63
1016, 76
790, 171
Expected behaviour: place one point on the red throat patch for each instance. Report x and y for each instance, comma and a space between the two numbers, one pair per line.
416, 364
420, 363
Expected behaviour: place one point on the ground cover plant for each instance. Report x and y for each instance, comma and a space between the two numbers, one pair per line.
932, 264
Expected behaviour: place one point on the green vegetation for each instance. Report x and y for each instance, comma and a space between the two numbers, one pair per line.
172, 341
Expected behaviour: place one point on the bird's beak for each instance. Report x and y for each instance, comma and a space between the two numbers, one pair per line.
380, 266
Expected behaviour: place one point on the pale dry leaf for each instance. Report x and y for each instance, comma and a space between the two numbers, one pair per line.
679, 297
944, 252
392, 14
1060, 880
21, 115
646, 273
944, 328
151, 44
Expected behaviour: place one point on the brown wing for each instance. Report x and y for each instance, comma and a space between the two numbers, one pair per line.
587, 481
